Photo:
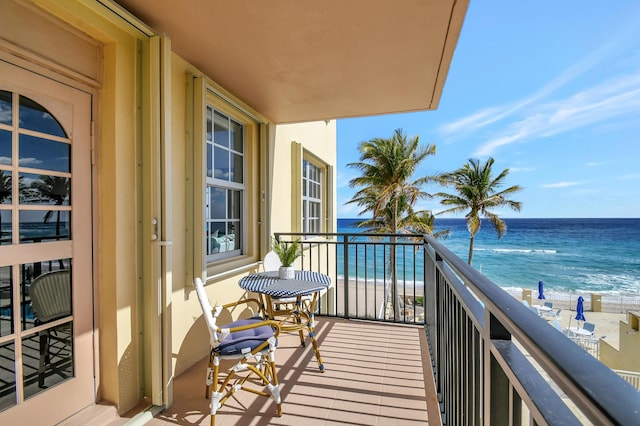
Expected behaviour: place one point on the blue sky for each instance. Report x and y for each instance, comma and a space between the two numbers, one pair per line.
551, 91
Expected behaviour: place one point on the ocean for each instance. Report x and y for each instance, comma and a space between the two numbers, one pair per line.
568, 255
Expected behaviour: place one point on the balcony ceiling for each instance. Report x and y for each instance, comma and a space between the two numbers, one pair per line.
295, 60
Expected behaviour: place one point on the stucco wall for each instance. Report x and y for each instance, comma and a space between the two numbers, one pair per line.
189, 335
626, 357
319, 139
122, 139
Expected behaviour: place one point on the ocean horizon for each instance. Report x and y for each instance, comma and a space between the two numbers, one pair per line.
579, 255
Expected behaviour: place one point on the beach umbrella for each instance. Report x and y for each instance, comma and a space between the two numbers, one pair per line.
541, 290
580, 309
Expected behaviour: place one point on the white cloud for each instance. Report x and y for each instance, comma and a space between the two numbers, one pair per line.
522, 169
630, 176
343, 177
559, 184
472, 122
5, 114
347, 210
29, 162
491, 115
614, 98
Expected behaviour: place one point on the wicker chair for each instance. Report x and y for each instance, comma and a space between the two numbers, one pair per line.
251, 341
50, 300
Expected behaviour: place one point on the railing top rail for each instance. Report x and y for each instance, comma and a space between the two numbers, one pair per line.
599, 392
342, 234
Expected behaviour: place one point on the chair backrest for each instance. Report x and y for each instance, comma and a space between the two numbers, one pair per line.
548, 304
589, 326
207, 312
51, 296
271, 261
556, 325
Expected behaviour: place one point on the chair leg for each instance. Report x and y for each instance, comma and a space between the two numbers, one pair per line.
299, 321
275, 386
44, 357
209, 378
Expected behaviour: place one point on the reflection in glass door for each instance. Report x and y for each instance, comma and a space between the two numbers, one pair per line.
39, 319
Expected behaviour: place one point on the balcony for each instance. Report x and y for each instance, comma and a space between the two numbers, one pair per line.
444, 345
375, 374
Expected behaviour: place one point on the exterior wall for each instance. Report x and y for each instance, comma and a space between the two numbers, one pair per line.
319, 139
626, 358
125, 105
189, 333
115, 70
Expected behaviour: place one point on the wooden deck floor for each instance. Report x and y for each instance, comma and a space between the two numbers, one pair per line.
375, 374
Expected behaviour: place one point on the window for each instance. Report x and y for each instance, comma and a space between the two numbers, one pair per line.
311, 197
225, 189
226, 175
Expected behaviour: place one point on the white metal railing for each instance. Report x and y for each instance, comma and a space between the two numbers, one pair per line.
632, 377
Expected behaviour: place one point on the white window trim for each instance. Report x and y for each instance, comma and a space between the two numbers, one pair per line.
200, 93
213, 182
307, 182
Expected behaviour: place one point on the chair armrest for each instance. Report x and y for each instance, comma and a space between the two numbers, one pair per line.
273, 324
244, 302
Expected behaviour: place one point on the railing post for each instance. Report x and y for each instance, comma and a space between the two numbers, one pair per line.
345, 278
497, 387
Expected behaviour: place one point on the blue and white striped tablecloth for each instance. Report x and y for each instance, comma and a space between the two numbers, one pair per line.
305, 282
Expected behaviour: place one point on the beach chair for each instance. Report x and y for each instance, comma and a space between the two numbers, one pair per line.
589, 326
252, 341
553, 315
50, 295
548, 304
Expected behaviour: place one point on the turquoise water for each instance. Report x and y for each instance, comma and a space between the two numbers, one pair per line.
568, 255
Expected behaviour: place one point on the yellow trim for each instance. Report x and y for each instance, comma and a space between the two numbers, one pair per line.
196, 183
297, 155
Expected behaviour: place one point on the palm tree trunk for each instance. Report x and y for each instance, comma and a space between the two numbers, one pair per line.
470, 249
394, 293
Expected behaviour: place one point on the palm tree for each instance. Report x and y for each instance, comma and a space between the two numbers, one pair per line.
56, 189
388, 190
477, 193
5, 192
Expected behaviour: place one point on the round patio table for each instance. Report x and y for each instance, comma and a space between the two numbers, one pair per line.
303, 291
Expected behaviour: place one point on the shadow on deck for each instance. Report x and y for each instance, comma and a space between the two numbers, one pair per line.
375, 374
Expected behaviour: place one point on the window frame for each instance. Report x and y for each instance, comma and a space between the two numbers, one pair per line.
308, 198
200, 93
299, 156
228, 185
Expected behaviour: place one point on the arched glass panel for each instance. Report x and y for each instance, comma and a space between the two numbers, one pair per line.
5, 147
5, 107
44, 154
34, 116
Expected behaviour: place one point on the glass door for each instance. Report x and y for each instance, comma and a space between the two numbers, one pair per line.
46, 304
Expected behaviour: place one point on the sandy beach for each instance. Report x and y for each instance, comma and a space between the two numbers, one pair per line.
365, 298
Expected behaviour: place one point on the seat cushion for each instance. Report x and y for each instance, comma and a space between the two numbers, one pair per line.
237, 341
